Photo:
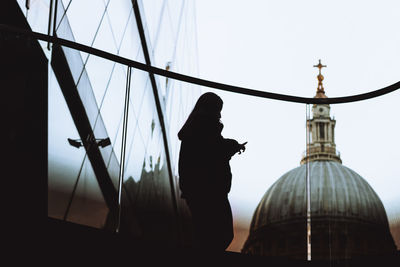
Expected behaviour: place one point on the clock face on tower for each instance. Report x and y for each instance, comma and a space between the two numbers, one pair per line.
321, 111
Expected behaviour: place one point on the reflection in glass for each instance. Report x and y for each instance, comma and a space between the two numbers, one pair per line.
64, 161
88, 206
148, 194
68, 165
147, 202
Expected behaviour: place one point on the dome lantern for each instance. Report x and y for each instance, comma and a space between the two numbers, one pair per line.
322, 129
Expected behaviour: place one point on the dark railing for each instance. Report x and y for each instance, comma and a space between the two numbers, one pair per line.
198, 81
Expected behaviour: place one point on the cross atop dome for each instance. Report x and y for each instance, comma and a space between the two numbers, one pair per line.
320, 66
320, 89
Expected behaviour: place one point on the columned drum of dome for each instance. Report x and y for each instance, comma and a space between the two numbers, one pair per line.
348, 219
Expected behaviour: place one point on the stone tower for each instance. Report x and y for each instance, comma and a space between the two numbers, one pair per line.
322, 129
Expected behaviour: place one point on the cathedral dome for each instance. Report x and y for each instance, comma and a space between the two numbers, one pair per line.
347, 217
335, 191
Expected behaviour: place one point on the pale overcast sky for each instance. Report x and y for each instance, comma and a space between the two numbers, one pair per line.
272, 46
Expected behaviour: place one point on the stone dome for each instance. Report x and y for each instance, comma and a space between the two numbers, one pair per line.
347, 216
335, 190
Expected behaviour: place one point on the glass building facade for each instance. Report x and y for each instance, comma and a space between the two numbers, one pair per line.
83, 180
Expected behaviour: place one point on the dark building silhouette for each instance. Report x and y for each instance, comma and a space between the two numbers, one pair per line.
348, 219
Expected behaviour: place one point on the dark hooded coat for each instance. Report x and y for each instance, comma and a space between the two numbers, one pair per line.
205, 154
205, 175
204, 158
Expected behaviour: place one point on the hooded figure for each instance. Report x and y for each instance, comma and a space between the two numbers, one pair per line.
205, 174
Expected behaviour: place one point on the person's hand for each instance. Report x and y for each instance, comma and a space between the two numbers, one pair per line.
242, 147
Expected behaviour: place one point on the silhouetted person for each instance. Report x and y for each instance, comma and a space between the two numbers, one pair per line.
205, 174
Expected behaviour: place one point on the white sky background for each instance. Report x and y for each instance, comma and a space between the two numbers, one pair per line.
272, 46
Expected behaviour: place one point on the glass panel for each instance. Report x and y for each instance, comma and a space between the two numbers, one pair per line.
119, 13
176, 116
66, 167
87, 96
152, 15
130, 46
164, 43
174, 14
73, 56
64, 30
113, 107
64, 160
99, 71
147, 194
38, 15
60, 13
104, 40
113, 169
100, 132
178, 52
93, 11
154, 145
146, 114
88, 206
66, 2
140, 82
135, 156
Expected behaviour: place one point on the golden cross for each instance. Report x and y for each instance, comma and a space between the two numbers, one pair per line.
319, 66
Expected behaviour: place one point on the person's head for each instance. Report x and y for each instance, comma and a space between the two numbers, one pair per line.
210, 104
